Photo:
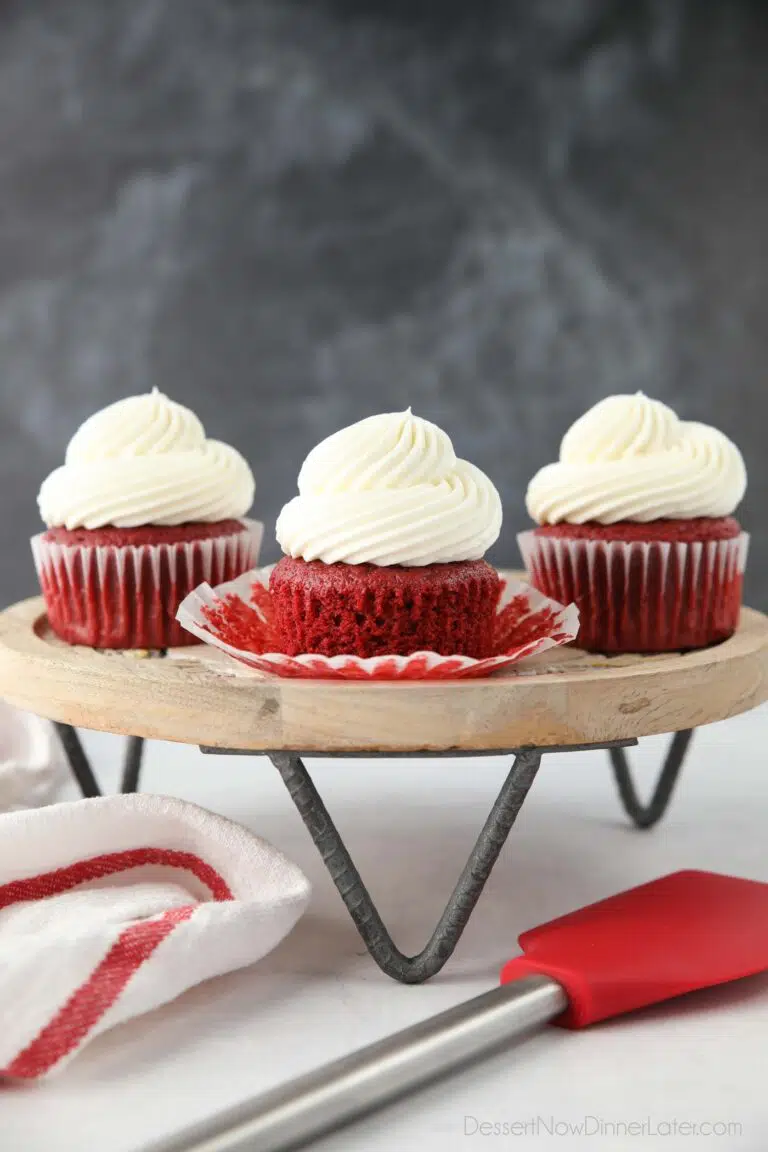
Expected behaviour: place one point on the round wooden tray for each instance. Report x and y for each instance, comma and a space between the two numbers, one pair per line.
197, 696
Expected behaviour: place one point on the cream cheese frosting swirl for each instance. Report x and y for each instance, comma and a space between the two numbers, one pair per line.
390, 490
631, 458
145, 460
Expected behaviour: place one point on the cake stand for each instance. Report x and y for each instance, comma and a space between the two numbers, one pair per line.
559, 701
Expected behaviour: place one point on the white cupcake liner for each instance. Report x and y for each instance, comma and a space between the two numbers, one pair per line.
527, 623
642, 595
108, 595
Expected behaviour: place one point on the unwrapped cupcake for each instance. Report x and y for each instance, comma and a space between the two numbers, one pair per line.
143, 510
384, 546
635, 524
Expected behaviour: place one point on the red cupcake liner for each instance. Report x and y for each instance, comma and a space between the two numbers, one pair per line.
113, 596
638, 596
238, 618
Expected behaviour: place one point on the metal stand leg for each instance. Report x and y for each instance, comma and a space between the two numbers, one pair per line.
132, 764
408, 969
78, 761
81, 768
646, 815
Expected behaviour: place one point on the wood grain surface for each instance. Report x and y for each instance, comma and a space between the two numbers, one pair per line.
198, 696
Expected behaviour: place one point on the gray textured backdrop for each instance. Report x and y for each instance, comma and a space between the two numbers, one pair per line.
292, 213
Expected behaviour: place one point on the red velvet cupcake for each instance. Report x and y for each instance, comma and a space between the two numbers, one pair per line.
666, 585
120, 588
144, 510
636, 529
365, 610
384, 547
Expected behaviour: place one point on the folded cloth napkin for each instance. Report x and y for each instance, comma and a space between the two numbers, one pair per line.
114, 906
33, 767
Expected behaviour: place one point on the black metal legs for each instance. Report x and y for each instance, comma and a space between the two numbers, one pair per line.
78, 761
134, 754
408, 969
443, 941
646, 815
81, 768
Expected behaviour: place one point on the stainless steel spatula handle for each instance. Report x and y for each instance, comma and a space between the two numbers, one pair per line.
330, 1097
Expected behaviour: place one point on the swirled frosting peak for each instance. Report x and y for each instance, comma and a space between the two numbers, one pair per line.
631, 458
390, 490
145, 460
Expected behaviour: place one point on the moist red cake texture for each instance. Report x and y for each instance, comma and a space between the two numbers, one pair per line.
120, 587
675, 585
367, 610
144, 534
700, 529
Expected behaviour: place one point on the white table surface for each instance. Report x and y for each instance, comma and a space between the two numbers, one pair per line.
410, 825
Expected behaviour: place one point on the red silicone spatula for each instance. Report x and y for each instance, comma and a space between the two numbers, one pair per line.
686, 931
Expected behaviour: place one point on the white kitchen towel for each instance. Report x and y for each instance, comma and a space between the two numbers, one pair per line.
33, 767
113, 906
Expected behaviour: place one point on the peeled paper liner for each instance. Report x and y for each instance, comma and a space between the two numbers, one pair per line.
527, 623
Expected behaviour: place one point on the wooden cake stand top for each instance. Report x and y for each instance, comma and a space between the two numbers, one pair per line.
198, 696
